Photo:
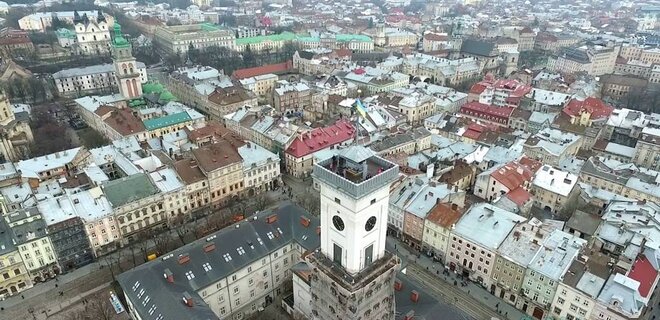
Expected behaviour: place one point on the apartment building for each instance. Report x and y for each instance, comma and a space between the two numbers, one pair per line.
621, 178
243, 268
137, 205
577, 293
500, 180
514, 255
39, 21
595, 60
416, 140
196, 183
223, 101
15, 276
553, 189
261, 85
223, 166
299, 159
261, 168
551, 146
437, 229
371, 80
291, 96
33, 244
99, 79
170, 40
647, 149
475, 239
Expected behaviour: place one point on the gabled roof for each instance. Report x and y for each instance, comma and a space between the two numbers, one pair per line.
212, 259
321, 138
257, 71
596, 107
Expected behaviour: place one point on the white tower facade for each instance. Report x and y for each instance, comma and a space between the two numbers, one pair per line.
354, 222
353, 274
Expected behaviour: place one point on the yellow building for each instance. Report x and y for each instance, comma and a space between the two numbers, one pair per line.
223, 167
14, 276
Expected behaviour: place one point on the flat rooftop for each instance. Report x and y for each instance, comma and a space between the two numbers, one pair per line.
356, 171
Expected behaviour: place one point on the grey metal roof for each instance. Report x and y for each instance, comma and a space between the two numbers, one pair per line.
477, 47
249, 234
6, 238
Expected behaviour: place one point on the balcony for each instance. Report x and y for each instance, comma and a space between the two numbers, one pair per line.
376, 173
352, 282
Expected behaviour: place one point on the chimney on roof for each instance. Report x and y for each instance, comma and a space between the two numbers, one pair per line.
167, 274
304, 221
271, 218
184, 258
318, 230
454, 207
187, 299
209, 247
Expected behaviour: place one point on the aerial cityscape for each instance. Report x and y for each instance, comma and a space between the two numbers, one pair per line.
332, 159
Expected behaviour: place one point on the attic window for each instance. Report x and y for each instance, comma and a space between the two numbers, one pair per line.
152, 309
207, 266
190, 275
279, 230
240, 251
260, 241
227, 257
270, 235
140, 294
136, 286
146, 301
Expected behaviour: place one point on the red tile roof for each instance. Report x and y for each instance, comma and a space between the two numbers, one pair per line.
531, 164
436, 37
595, 106
321, 138
257, 71
487, 112
444, 215
512, 175
124, 121
643, 271
478, 87
519, 196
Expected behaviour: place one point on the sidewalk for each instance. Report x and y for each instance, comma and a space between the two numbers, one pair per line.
476, 291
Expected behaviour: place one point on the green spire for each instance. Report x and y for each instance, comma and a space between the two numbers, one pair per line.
119, 40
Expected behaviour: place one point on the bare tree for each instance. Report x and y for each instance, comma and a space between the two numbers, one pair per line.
98, 307
261, 202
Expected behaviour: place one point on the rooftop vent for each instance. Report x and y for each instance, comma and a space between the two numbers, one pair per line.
167, 274
304, 221
184, 258
271, 218
187, 299
209, 247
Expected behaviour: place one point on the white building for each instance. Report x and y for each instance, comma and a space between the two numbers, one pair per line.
261, 168
553, 188
92, 79
41, 20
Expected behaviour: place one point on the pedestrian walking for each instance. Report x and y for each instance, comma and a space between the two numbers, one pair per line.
22, 297
56, 285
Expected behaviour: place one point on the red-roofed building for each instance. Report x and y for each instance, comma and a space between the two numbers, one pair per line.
439, 224
497, 182
278, 68
587, 111
521, 197
502, 92
299, 158
644, 272
487, 113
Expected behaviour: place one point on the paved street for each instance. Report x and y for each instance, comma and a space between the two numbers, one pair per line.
473, 299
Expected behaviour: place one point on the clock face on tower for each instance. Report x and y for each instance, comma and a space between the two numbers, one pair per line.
338, 223
371, 223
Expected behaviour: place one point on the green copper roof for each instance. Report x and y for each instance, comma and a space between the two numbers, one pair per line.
353, 37
166, 96
137, 103
284, 36
208, 27
128, 189
152, 87
162, 122
119, 41
65, 33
